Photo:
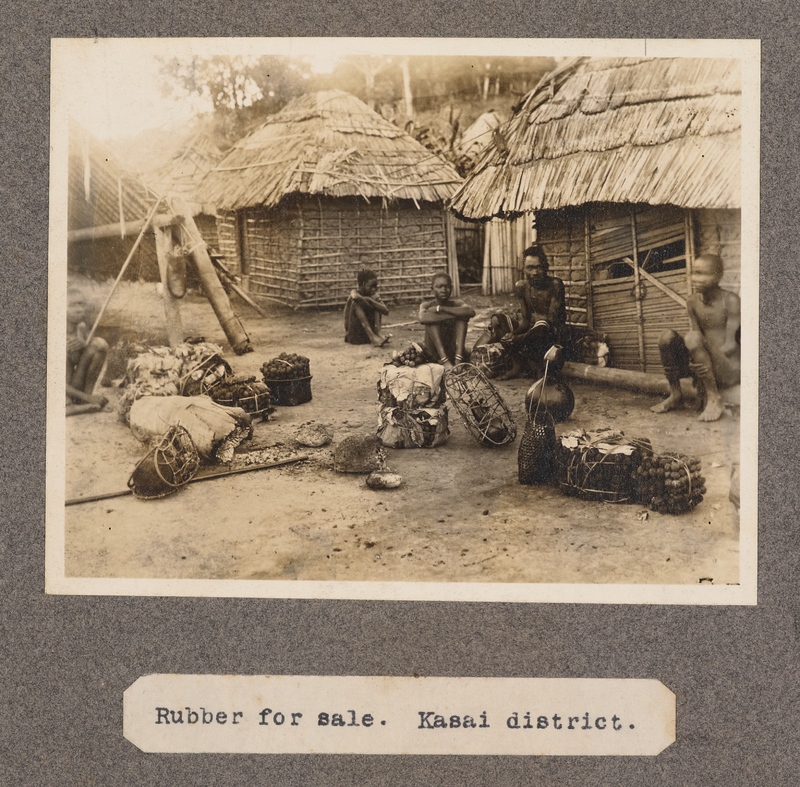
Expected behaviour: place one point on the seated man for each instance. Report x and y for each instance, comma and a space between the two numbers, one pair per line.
84, 359
710, 352
445, 320
544, 313
364, 311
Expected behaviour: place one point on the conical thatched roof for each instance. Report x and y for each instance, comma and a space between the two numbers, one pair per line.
658, 131
189, 163
327, 143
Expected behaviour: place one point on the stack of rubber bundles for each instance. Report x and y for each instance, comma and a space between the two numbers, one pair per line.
246, 392
411, 409
598, 465
188, 369
669, 483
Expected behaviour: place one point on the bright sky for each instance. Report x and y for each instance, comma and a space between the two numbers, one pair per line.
111, 85
113, 89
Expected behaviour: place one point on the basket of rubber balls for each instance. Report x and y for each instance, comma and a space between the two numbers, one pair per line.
288, 377
246, 392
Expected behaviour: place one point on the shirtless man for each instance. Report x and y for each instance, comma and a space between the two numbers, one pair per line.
84, 359
543, 315
364, 311
445, 320
710, 352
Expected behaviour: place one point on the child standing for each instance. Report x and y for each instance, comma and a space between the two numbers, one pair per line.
364, 311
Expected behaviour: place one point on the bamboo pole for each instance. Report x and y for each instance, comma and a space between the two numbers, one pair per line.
690, 249
587, 241
452, 259
113, 230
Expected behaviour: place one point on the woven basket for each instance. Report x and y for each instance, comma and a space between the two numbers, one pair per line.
480, 406
492, 359
536, 449
289, 393
249, 398
202, 377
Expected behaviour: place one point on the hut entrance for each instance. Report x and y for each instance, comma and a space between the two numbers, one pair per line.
636, 261
469, 251
639, 260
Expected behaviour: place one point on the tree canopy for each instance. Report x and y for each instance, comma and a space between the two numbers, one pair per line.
434, 98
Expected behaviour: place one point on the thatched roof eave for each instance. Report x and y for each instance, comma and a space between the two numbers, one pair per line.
628, 130
327, 144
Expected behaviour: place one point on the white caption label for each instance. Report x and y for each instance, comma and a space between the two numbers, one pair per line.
398, 715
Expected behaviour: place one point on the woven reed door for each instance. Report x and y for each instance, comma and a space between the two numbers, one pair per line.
640, 261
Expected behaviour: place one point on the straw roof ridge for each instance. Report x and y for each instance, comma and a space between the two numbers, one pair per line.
327, 143
632, 119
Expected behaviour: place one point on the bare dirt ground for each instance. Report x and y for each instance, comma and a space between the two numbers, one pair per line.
460, 514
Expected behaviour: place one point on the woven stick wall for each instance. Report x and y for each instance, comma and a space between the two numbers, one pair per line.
228, 240
720, 232
562, 234
307, 252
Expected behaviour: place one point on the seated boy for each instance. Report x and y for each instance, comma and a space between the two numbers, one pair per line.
710, 352
84, 360
364, 311
445, 320
543, 308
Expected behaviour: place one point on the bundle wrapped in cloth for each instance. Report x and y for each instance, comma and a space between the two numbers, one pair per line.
188, 369
411, 411
422, 427
411, 387
215, 430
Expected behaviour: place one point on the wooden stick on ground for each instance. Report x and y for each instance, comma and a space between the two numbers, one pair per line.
248, 469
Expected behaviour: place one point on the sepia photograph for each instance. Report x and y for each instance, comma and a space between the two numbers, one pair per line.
434, 319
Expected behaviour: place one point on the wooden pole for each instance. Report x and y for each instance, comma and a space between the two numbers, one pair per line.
236, 288
587, 243
164, 246
212, 287
115, 230
248, 469
452, 258
643, 382
123, 269
690, 249
638, 292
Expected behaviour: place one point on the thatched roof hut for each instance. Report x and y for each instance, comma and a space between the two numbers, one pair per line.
193, 158
657, 131
101, 193
327, 186
630, 167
